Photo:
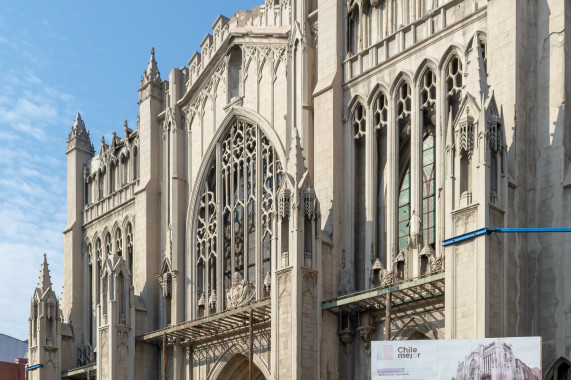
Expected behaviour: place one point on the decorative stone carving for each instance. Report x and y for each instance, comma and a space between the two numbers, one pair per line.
85, 354
387, 278
123, 345
285, 259
366, 333
346, 337
466, 133
309, 203
436, 264
201, 300
240, 293
284, 202
167, 284
268, 282
212, 299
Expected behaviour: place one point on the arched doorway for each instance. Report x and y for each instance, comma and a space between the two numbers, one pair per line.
237, 368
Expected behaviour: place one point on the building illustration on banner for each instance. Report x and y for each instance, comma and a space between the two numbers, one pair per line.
458, 359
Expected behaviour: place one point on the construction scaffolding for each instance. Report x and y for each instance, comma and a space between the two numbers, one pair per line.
415, 296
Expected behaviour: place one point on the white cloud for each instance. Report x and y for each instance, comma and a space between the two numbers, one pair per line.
32, 191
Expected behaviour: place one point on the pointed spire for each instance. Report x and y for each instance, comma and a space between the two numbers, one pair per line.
152, 73
295, 160
78, 136
78, 125
104, 145
45, 281
449, 131
128, 130
476, 81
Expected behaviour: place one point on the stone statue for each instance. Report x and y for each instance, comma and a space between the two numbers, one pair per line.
168, 252
415, 230
240, 293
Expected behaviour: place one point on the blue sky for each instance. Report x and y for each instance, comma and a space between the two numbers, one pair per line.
57, 59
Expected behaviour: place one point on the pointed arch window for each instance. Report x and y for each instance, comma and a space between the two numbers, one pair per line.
453, 74
108, 244
561, 370
359, 129
428, 190
403, 111
428, 119
352, 29
234, 73
239, 191
129, 236
90, 276
380, 119
118, 242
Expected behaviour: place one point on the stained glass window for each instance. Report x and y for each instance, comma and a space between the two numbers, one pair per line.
404, 210
249, 172
428, 190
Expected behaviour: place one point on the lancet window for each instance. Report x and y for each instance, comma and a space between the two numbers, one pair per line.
90, 276
129, 236
453, 74
403, 112
234, 73
359, 128
233, 226
353, 29
428, 107
118, 242
108, 244
380, 119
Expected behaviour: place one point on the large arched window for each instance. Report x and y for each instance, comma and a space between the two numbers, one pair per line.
233, 227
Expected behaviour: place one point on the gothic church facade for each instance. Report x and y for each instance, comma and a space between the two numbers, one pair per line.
313, 180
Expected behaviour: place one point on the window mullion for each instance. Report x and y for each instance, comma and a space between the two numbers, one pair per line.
258, 206
220, 231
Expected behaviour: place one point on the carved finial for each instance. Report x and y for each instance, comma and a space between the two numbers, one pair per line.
78, 136
152, 73
45, 282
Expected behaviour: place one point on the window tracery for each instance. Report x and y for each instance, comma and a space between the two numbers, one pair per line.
453, 85
239, 190
108, 244
118, 242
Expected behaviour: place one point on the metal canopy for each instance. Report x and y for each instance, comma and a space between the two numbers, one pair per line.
416, 293
215, 326
86, 372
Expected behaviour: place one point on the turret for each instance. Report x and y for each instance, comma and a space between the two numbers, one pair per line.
151, 104
79, 153
44, 343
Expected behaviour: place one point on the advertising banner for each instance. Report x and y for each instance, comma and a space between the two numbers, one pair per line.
457, 359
